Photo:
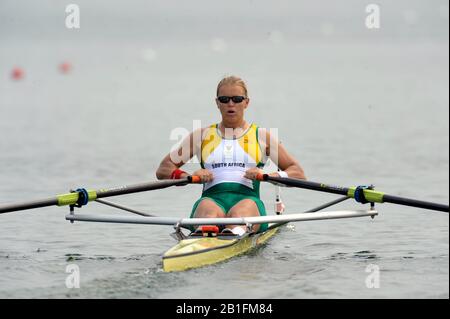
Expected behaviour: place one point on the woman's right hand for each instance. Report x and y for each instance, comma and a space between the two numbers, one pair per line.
204, 174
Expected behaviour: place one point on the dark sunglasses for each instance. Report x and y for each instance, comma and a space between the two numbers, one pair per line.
235, 99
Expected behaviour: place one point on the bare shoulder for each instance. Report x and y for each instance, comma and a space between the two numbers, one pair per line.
266, 137
197, 136
262, 130
200, 132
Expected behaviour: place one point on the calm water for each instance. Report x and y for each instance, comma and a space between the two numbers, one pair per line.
354, 107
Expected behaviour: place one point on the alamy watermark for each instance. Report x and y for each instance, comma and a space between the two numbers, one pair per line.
373, 279
73, 279
73, 16
373, 17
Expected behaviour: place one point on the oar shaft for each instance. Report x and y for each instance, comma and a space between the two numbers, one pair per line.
28, 205
72, 198
369, 194
143, 187
415, 203
307, 184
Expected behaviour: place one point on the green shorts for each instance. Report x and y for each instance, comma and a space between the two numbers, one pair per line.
226, 200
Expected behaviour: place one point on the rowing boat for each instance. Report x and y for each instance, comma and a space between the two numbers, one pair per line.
210, 247
195, 252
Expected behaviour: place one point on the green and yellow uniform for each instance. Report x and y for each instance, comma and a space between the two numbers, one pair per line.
228, 159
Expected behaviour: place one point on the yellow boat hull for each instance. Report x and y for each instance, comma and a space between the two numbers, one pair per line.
198, 252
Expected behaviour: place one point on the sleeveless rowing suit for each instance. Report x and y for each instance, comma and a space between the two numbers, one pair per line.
228, 159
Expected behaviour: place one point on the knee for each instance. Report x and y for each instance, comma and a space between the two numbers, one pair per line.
244, 208
208, 209
208, 214
235, 213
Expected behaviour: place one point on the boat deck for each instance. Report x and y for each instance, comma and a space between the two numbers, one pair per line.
198, 251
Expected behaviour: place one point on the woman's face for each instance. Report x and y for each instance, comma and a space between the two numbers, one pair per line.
232, 112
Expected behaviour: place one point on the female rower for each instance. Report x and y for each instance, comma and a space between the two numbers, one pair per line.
231, 154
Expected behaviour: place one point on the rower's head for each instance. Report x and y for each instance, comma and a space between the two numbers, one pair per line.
232, 99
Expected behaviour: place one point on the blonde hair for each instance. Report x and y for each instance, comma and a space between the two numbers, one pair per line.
232, 80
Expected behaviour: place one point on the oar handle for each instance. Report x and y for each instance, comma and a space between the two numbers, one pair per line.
194, 179
262, 177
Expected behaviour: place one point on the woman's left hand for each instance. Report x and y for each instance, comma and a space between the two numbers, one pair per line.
252, 173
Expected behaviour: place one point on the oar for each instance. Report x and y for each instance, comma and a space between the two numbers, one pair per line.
369, 194
91, 195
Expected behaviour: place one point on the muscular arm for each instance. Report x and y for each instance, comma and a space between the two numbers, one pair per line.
287, 163
180, 156
279, 155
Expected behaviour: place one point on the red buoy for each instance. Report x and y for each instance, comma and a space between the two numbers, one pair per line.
17, 73
65, 67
